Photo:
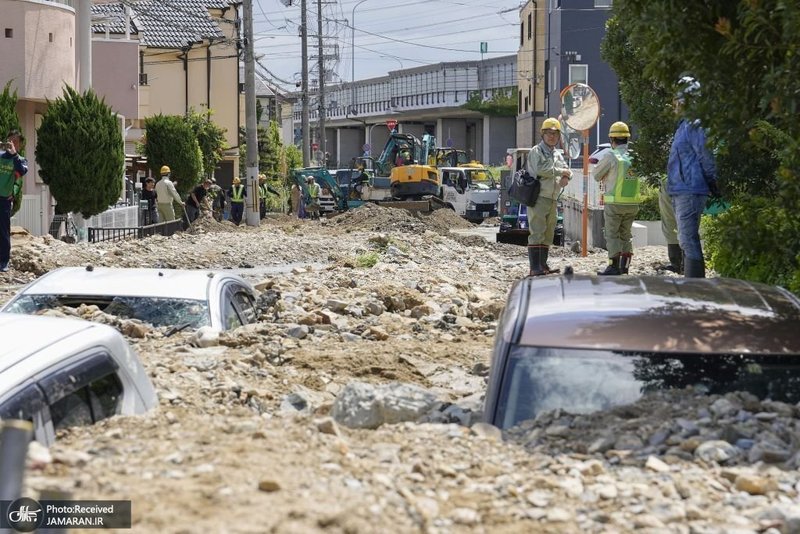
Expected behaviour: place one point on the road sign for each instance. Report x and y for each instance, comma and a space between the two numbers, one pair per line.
484, 47
366, 147
314, 146
449, 143
391, 124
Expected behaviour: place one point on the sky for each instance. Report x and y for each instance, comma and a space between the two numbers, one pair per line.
388, 35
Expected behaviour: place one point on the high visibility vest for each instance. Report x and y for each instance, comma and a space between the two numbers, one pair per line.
237, 193
626, 186
262, 189
313, 190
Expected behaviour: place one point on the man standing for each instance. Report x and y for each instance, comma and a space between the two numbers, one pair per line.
195, 199
149, 194
312, 205
237, 195
166, 194
263, 190
12, 168
691, 177
621, 200
552, 170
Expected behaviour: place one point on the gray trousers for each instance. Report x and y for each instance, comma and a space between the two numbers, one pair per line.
669, 227
542, 218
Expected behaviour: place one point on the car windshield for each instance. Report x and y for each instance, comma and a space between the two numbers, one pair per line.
157, 311
538, 380
481, 178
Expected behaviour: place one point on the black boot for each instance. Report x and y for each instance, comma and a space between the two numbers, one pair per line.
613, 266
625, 262
694, 268
545, 267
535, 260
675, 259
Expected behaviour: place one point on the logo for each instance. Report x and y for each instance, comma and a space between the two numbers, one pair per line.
25, 515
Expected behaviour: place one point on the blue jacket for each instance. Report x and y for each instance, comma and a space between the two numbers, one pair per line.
691, 166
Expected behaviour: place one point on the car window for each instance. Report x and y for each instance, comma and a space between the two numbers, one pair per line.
98, 400
159, 311
23, 404
246, 305
537, 379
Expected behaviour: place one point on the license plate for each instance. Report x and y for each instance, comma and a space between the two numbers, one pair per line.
485, 213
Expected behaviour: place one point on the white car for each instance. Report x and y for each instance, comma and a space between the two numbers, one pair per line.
178, 298
59, 373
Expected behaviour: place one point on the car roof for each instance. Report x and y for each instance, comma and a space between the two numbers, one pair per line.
658, 314
131, 282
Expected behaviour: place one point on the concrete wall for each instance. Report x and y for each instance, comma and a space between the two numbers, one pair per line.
501, 132
531, 71
40, 55
351, 141
454, 130
115, 74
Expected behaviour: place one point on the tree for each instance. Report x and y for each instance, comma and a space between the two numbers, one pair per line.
171, 141
270, 152
501, 103
9, 120
746, 55
80, 152
210, 138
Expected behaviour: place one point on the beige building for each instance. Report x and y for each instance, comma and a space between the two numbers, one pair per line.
531, 68
165, 58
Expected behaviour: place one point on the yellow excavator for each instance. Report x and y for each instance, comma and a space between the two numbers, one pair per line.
411, 166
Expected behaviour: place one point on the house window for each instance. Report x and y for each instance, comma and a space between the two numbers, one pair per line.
9, 33
50, 37
603, 3
530, 26
579, 74
521, 33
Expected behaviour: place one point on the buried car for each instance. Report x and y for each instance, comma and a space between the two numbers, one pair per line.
59, 373
583, 343
162, 297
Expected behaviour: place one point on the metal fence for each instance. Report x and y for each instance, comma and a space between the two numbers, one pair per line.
97, 234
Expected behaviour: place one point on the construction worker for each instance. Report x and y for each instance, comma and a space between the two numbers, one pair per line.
554, 173
691, 177
312, 202
165, 195
669, 227
621, 200
237, 195
12, 168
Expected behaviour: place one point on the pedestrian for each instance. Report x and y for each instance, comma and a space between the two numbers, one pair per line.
12, 168
166, 194
546, 163
670, 230
691, 178
217, 196
195, 200
263, 190
295, 199
621, 200
237, 194
149, 194
312, 202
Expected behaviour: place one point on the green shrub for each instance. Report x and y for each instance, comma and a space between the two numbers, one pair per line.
9, 120
755, 240
171, 141
80, 152
367, 260
648, 207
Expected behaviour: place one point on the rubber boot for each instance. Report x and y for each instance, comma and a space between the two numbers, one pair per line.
545, 267
694, 268
613, 266
535, 260
675, 259
625, 262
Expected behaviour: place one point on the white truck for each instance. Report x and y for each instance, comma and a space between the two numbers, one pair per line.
470, 191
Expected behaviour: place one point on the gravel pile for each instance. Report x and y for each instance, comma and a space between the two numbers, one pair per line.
248, 419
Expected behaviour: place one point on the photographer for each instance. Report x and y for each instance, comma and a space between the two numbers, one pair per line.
12, 168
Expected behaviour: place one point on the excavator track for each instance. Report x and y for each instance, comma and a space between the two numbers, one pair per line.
424, 205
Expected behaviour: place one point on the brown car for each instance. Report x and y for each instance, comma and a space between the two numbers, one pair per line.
587, 343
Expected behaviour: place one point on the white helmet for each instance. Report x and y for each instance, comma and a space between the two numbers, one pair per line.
687, 86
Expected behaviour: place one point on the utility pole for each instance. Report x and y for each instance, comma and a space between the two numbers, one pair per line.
321, 64
84, 45
304, 88
252, 214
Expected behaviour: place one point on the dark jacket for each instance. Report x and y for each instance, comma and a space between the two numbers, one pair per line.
691, 167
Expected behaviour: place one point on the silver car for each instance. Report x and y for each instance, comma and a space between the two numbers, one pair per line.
162, 297
585, 343
59, 373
